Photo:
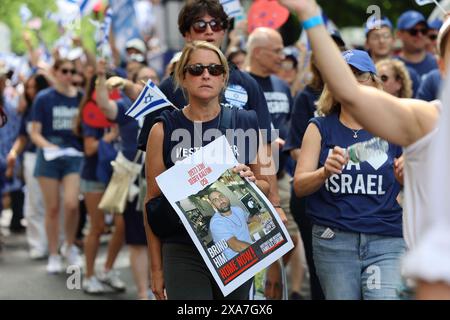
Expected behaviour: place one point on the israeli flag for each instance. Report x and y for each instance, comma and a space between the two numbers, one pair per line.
232, 8
150, 99
103, 35
424, 2
85, 6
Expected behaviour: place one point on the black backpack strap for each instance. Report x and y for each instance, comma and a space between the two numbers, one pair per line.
228, 119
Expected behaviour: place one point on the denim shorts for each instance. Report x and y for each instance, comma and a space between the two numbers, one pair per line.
58, 168
91, 186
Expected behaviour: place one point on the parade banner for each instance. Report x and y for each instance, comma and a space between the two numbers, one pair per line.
233, 225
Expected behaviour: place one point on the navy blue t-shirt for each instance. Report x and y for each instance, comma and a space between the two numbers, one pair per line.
89, 165
242, 92
56, 113
303, 110
362, 198
422, 68
431, 85
128, 129
177, 146
279, 101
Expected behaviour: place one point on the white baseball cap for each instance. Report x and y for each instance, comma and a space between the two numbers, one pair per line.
137, 44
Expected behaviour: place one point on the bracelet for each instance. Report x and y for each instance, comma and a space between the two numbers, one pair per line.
313, 22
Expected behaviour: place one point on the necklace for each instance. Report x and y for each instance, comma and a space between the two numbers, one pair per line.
355, 133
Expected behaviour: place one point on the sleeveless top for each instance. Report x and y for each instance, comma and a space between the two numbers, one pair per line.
363, 198
182, 138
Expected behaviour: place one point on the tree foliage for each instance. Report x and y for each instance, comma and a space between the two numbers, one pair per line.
9, 14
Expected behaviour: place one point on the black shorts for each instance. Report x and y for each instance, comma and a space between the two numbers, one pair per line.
134, 225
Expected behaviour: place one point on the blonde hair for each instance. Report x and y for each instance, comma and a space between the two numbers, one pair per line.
327, 103
180, 71
401, 74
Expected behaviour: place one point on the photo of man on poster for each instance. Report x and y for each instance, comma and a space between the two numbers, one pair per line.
230, 223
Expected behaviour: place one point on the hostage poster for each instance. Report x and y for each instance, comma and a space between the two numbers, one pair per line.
231, 222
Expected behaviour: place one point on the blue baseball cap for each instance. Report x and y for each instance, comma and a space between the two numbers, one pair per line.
360, 60
436, 24
374, 23
410, 19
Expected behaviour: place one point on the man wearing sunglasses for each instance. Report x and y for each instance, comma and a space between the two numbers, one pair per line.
413, 30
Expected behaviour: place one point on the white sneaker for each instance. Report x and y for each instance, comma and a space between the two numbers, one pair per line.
36, 254
73, 257
111, 278
63, 249
54, 264
92, 286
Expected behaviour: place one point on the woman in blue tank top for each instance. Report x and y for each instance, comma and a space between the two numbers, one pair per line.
177, 266
357, 233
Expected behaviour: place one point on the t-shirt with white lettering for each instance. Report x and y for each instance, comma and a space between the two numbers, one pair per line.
56, 113
363, 198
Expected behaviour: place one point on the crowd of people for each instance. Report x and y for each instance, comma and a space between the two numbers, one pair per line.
63, 126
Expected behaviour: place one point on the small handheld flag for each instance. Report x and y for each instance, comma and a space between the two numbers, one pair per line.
149, 100
425, 2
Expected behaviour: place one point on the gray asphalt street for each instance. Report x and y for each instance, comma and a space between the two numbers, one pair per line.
23, 278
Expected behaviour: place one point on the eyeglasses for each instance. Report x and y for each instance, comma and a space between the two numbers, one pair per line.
378, 37
215, 25
198, 69
433, 37
415, 32
66, 71
362, 76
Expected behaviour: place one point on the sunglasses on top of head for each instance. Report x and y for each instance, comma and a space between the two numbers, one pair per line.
66, 71
415, 32
216, 25
198, 69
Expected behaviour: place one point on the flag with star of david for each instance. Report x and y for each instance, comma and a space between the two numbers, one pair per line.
150, 99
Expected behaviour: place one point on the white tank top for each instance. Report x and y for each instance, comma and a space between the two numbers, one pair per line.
416, 189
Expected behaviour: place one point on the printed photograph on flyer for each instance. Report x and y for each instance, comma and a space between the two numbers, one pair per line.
234, 226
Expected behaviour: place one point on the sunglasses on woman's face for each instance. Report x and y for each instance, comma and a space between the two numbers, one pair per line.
201, 25
66, 71
198, 69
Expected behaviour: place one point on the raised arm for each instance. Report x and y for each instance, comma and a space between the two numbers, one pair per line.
399, 121
108, 107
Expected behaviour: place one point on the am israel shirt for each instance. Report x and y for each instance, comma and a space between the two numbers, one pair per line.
363, 198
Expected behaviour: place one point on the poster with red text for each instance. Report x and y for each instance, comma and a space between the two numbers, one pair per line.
232, 223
